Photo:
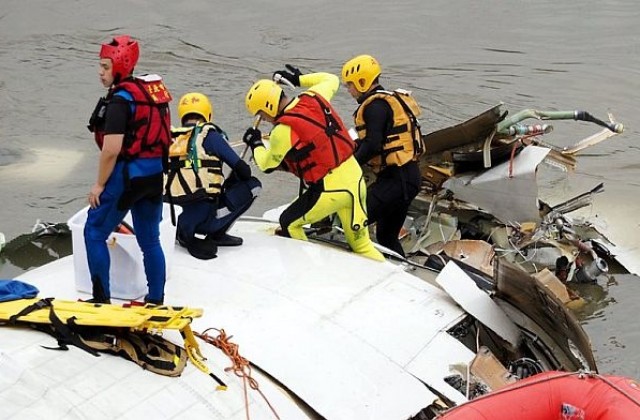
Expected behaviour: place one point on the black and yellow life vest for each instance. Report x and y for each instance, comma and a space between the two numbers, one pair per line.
403, 142
193, 175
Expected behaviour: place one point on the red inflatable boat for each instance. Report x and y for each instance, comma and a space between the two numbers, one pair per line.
558, 396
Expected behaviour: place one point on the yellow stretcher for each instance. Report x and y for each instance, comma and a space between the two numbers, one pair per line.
149, 318
156, 318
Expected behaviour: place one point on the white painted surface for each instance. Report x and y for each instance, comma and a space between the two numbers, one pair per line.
477, 302
344, 333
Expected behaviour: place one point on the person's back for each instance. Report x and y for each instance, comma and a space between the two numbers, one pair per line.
310, 140
210, 203
389, 142
132, 130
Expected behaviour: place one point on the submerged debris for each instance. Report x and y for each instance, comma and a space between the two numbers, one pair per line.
480, 192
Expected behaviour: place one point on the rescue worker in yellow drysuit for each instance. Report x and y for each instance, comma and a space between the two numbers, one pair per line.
310, 140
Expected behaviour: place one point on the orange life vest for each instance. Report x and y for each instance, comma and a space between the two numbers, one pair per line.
323, 141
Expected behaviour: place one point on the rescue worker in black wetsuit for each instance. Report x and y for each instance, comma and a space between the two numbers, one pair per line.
389, 142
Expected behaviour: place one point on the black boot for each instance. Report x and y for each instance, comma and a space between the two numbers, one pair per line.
181, 240
203, 249
225, 240
153, 302
99, 296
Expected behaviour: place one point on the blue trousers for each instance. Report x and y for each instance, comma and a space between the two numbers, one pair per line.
146, 213
216, 217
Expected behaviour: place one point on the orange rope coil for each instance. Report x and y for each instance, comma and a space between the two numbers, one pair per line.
241, 367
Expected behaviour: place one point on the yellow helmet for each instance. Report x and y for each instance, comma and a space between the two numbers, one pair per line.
361, 71
264, 96
195, 103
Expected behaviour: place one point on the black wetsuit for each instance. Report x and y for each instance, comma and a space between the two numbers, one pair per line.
395, 187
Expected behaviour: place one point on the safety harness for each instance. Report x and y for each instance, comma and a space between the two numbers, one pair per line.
323, 142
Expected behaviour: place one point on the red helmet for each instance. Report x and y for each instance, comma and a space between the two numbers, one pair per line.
123, 52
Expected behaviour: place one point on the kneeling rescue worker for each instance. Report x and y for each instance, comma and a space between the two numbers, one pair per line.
195, 181
309, 140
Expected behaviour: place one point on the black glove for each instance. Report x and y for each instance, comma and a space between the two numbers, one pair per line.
292, 74
252, 138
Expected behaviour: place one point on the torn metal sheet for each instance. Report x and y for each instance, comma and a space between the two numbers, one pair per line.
551, 282
475, 301
473, 130
524, 292
508, 191
478, 254
490, 370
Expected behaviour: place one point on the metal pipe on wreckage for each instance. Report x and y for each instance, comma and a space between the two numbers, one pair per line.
503, 127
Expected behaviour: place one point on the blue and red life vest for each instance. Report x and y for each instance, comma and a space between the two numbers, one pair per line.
149, 131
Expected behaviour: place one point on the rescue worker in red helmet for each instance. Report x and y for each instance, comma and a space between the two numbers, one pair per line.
310, 140
131, 126
389, 143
